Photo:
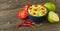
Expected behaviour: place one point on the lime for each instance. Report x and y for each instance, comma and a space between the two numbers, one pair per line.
50, 6
53, 17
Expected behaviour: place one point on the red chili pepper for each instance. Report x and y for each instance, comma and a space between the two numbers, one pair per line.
25, 25
26, 6
28, 22
20, 25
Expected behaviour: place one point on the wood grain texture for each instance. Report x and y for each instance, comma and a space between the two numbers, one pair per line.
9, 19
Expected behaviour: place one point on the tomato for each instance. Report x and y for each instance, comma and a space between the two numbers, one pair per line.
30, 8
34, 13
42, 8
22, 14
35, 9
26, 6
43, 13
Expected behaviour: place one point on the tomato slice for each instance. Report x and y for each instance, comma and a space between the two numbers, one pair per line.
22, 14
42, 8
30, 8
43, 13
34, 13
26, 6
35, 9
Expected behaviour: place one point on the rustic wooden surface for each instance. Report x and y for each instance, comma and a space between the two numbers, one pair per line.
9, 19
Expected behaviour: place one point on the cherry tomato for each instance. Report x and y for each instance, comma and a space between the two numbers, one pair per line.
22, 14
26, 6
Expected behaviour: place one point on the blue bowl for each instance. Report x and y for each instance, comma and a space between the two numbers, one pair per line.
37, 19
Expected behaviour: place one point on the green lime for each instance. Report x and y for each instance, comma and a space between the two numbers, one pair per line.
53, 17
50, 6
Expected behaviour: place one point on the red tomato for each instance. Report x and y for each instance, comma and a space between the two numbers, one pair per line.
35, 9
30, 8
34, 13
42, 8
22, 14
43, 13
26, 6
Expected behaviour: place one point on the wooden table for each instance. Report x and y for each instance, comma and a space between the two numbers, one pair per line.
9, 19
